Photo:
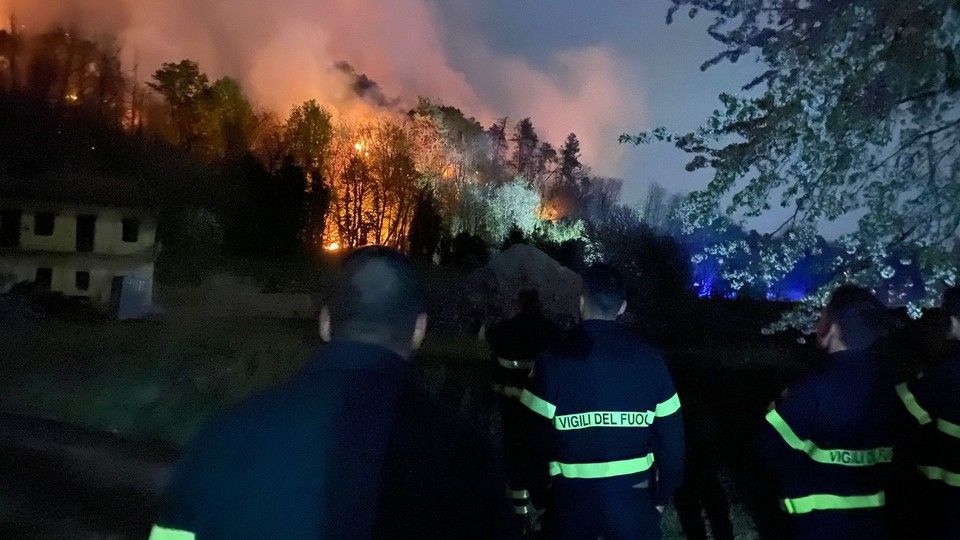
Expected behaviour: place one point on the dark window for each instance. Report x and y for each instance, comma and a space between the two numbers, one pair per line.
44, 278
86, 232
10, 228
131, 230
43, 223
82, 281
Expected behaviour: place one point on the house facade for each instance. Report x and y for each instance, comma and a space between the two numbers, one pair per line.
104, 253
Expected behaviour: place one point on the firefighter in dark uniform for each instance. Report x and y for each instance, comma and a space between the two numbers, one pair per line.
933, 402
613, 418
830, 440
515, 344
328, 453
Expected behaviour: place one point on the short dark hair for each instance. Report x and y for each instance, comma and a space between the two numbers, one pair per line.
862, 318
603, 288
377, 294
951, 301
529, 301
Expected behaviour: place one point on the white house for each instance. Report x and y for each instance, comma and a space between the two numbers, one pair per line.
102, 252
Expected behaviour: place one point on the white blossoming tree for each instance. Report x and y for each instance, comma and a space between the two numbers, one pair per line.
855, 116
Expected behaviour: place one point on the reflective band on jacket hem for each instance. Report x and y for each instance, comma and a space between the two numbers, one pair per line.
540, 406
849, 458
602, 470
590, 419
668, 407
163, 533
515, 364
912, 405
949, 428
810, 503
943, 475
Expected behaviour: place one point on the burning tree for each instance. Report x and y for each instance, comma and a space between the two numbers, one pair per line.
371, 173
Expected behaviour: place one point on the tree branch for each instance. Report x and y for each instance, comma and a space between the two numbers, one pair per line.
913, 140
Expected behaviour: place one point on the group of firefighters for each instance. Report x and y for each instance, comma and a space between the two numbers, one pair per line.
593, 432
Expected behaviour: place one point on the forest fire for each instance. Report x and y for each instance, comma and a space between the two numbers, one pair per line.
365, 172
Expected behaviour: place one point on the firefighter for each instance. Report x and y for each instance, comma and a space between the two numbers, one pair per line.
347, 448
933, 402
609, 406
515, 344
829, 440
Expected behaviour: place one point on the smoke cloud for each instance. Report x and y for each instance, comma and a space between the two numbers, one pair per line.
287, 51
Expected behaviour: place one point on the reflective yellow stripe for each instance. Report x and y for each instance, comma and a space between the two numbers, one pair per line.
518, 493
163, 533
515, 364
805, 505
948, 427
522, 510
602, 470
943, 475
836, 456
509, 391
540, 406
629, 419
912, 405
668, 407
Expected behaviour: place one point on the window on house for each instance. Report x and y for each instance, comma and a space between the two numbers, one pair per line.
82, 281
44, 278
131, 230
43, 223
9, 228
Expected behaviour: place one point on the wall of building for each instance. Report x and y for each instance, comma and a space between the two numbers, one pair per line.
23, 267
111, 256
108, 231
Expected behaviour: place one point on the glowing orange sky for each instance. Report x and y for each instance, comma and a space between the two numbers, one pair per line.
283, 51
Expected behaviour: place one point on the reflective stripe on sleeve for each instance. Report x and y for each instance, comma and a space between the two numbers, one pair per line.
668, 407
508, 391
602, 470
536, 404
810, 503
634, 419
164, 533
912, 405
948, 427
518, 493
849, 458
943, 475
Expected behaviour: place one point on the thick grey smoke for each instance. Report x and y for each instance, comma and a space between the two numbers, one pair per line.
287, 51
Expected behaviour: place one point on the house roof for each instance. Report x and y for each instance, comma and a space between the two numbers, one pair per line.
81, 189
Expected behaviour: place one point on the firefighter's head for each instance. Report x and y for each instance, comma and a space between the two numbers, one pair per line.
528, 302
377, 301
951, 305
853, 319
604, 296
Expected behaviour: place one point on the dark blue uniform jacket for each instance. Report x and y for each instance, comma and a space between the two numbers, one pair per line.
612, 409
830, 444
933, 402
346, 449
